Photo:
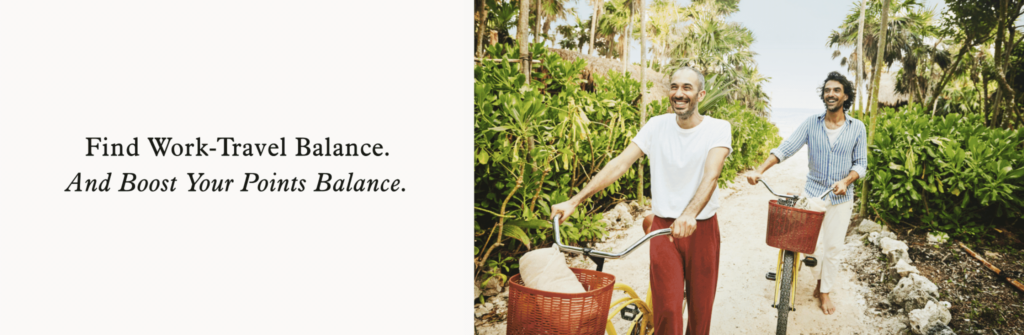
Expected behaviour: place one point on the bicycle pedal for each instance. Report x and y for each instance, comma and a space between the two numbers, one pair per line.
630, 312
810, 261
770, 276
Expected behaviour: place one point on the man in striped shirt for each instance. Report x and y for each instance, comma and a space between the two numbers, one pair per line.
837, 156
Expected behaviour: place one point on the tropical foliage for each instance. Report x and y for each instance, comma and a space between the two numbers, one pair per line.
697, 35
538, 144
950, 160
963, 60
947, 173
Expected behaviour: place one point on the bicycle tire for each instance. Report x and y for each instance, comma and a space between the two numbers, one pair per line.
784, 291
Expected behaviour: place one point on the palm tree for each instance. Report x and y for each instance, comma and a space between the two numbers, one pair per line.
873, 103
598, 5
550, 11
574, 36
643, 92
666, 26
500, 17
481, 15
632, 5
908, 26
860, 51
522, 32
748, 90
611, 29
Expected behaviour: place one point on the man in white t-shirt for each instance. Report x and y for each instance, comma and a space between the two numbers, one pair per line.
686, 151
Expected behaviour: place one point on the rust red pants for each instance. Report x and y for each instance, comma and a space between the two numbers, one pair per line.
691, 261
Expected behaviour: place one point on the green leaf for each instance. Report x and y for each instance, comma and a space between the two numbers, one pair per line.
1016, 173
483, 157
895, 166
502, 128
529, 224
516, 233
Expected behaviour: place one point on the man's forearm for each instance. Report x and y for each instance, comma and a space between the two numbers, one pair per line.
852, 177
611, 172
768, 163
701, 198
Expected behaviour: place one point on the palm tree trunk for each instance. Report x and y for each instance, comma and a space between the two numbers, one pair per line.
629, 33
873, 104
1000, 62
997, 110
483, 27
643, 95
522, 34
860, 55
984, 97
536, 30
593, 25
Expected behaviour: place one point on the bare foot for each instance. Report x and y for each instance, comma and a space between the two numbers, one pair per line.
826, 304
817, 290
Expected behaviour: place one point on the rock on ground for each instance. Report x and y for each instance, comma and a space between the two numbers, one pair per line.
905, 269
914, 292
868, 226
923, 320
894, 249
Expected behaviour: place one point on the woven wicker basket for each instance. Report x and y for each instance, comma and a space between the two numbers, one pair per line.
793, 229
533, 311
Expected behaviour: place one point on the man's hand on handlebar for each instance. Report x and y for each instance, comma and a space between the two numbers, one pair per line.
565, 209
683, 226
839, 187
753, 177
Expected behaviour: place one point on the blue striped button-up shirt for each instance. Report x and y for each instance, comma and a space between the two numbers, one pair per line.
828, 164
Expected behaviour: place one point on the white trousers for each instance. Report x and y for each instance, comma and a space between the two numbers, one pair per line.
830, 243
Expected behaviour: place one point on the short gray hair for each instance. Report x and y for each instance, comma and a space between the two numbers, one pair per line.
700, 76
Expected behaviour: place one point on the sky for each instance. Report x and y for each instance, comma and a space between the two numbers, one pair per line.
790, 42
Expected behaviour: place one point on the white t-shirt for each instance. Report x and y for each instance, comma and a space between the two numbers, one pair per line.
677, 161
833, 134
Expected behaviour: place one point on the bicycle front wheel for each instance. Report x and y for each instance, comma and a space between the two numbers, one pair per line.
787, 285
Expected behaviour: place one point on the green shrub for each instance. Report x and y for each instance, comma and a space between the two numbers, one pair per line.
948, 173
752, 138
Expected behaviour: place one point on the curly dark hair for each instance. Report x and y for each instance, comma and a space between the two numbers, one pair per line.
851, 92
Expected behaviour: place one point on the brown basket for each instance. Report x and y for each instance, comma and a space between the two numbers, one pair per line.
533, 311
793, 229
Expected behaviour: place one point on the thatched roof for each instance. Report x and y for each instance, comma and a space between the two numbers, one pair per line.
887, 95
602, 65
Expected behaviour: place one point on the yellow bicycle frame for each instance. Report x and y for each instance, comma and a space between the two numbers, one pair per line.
633, 298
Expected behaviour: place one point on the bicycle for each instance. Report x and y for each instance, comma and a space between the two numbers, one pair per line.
630, 308
794, 231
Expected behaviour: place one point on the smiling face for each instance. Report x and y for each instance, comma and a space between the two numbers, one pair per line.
834, 96
685, 92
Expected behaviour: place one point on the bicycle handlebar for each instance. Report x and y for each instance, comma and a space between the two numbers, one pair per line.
794, 197
602, 254
659, 232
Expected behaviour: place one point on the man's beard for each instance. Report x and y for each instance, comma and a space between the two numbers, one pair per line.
686, 114
837, 108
